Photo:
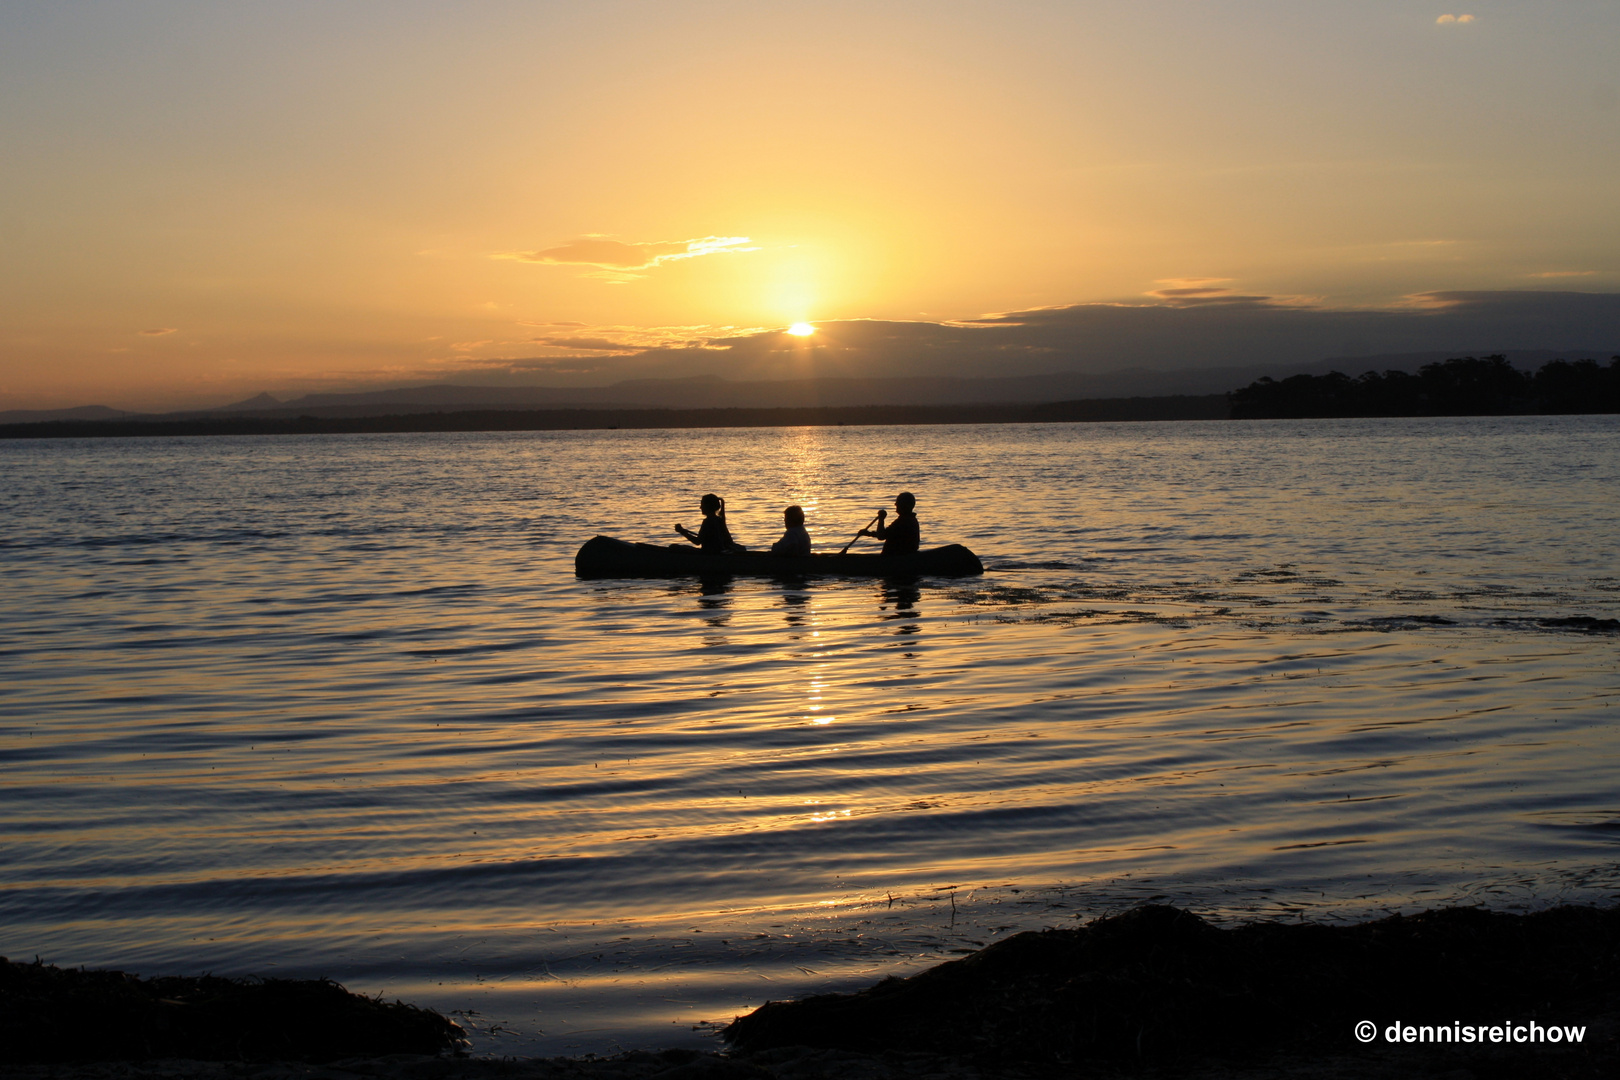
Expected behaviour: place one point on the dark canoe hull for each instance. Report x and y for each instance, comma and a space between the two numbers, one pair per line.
605, 557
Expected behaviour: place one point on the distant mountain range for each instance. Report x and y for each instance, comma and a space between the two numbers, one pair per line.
708, 392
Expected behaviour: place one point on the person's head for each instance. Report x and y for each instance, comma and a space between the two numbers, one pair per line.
709, 504
793, 515
905, 502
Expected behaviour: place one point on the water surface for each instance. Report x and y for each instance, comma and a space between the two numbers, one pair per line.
337, 705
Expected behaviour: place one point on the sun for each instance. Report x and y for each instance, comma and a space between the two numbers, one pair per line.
801, 329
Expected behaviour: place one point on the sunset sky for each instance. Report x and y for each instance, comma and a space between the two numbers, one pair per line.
202, 200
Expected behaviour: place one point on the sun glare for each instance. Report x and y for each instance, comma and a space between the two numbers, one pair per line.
801, 329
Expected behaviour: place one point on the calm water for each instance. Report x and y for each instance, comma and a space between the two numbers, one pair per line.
338, 706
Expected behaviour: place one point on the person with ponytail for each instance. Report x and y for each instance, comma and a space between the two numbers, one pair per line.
712, 536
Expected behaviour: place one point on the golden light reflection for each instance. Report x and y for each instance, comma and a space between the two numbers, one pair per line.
816, 691
818, 816
805, 451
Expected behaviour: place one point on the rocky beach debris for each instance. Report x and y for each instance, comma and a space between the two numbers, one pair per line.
51, 1014
1160, 985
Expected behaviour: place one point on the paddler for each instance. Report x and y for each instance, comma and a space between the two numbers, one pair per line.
904, 536
712, 536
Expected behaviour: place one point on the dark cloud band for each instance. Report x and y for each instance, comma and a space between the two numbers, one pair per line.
1230, 331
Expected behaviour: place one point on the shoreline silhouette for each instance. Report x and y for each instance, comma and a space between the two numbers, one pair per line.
1153, 986
1461, 386
1181, 407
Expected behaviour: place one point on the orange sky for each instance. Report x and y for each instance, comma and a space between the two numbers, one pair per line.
202, 201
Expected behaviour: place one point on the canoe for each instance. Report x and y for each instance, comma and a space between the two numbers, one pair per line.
605, 557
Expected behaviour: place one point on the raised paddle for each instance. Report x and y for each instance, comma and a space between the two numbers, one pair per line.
857, 536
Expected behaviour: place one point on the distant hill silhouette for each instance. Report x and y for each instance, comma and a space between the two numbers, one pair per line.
1458, 386
714, 392
1175, 407
256, 403
1443, 385
81, 412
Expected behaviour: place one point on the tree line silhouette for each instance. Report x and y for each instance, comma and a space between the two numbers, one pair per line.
1462, 386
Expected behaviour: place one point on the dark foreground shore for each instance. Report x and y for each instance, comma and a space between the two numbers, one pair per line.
1155, 992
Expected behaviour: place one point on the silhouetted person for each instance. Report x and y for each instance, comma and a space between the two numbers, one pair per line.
712, 536
904, 536
796, 540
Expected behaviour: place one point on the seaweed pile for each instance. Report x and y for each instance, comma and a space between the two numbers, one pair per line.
1160, 984
49, 1014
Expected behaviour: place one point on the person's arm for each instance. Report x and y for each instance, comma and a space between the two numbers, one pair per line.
689, 534
880, 532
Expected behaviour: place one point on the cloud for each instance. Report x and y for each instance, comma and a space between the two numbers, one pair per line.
1564, 273
588, 344
1208, 296
581, 341
614, 277
616, 260
630, 339
1109, 337
160, 331
1452, 19
1112, 348
1239, 339
1208, 291
1191, 282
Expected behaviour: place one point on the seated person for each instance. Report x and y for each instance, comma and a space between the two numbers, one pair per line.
796, 540
712, 536
904, 536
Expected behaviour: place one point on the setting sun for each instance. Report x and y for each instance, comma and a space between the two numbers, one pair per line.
801, 329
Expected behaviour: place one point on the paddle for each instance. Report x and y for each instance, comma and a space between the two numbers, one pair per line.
857, 536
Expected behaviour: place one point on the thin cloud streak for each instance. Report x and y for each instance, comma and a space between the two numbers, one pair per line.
618, 258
